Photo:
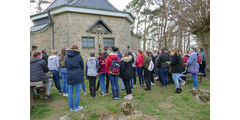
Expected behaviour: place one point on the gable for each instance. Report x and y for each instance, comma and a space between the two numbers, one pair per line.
99, 27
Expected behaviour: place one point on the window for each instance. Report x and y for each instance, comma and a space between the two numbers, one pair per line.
88, 42
108, 42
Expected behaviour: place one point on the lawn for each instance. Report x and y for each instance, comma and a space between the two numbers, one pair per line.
160, 103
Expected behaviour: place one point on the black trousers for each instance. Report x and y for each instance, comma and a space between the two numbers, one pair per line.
134, 76
107, 82
127, 86
92, 85
147, 78
152, 79
98, 84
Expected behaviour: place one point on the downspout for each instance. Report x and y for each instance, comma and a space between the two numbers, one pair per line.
52, 30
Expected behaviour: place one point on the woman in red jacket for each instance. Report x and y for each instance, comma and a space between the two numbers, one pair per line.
139, 65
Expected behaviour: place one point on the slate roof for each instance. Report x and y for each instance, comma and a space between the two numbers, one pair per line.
95, 4
38, 27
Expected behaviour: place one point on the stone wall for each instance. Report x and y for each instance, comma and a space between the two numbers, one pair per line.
135, 43
42, 38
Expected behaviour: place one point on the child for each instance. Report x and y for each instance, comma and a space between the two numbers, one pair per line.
92, 66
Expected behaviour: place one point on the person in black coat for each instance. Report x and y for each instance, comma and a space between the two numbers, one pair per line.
38, 70
44, 55
176, 68
126, 73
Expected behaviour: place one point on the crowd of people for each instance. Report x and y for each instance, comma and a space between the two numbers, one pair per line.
110, 65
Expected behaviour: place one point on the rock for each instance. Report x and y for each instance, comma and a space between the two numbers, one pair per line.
202, 95
127, 108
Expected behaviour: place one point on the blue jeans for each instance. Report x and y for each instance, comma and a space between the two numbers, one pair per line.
56, 79
83, 87
131, 83
195, 80
114, 85
70, 96
102, 82
164, 76
140, 75
175, 77
122, 83
63, 72
179, 77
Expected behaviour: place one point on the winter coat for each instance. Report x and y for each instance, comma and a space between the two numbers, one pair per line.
202, 55
45, 57
111, 56
119, 54
162, 61
126, 69
176, 64
102, 63
140, 59
38, 68
146, 62
75, 66
92, 66
192, 63
53, 63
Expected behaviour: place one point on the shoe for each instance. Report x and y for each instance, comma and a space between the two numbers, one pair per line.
107, 92
116, 98
66, 95
71, 110
153, 83
78, 108
85, 94
48, 97
60, 92
146, 89
178, 90
102, 94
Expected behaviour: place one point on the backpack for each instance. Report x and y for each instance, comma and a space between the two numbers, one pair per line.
199, 59
115, 67
151, 66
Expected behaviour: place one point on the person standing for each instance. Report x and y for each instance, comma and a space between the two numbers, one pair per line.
113, 69
102, 73
176, 68
163, 67
54, 67
105, 54
147, 72
193, 66
134, 80
75, 77
126, 73
45, 55
92, 66
203, 65
120, 56
63, 71
139, 66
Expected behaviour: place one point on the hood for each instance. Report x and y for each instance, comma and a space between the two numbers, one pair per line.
113, 56
91, 59
127, 59
33, 60
72, 53
52, 57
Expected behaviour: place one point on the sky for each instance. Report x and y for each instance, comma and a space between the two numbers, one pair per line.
119, 4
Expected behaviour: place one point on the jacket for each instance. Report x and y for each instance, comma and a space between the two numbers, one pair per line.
110, 57
161, 61
45, 57
202, 55
53, 63
176, 64
92, 66
146, 62
102, 62
135, 59
38, 68
192, 63
126, 69
140, 59
154, 57
75, 66
185, 58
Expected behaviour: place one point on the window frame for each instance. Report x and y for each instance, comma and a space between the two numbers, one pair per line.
109, 38
84, 38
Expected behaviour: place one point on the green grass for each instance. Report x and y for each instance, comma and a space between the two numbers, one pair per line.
162, 103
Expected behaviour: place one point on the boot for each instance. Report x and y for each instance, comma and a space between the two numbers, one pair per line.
178, 90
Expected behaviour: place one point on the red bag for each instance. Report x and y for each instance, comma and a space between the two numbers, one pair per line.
199, 59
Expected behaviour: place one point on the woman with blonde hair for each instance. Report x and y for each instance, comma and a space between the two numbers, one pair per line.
176, 68
54, 67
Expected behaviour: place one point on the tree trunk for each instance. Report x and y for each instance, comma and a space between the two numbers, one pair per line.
204, 38
145, 34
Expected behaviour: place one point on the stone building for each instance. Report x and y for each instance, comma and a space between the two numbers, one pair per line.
91, 24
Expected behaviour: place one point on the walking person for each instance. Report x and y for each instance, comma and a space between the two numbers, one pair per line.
63, 71
92, 66
193, 66
75, 77
147, 72
126, 73
54, 67
139, 66
163, 67
176, 68
102, 73
113, 69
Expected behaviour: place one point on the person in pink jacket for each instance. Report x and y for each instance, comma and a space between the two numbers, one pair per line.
139, 65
